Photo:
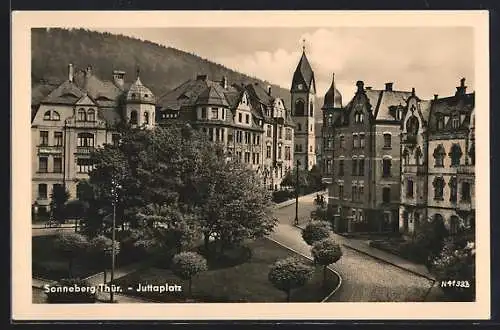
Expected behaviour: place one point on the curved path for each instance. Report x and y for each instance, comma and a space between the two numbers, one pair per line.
364, 279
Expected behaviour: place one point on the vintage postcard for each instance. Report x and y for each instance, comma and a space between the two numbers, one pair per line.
250, 165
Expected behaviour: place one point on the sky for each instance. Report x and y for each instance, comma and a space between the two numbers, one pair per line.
430, 59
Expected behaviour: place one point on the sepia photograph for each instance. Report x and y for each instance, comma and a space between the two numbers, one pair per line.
300, 163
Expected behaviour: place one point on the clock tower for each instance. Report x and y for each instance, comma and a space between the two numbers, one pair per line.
303, 93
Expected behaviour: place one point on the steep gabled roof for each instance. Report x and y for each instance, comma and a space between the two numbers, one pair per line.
66, 93
212, 96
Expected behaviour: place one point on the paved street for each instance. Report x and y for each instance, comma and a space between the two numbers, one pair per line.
364, 278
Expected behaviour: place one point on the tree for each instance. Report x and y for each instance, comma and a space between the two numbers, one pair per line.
167, 227
290, 179
326, 252
288, 274
429, 240
71, 246
102, 248
457, 261
316, 231
59, 197
314, 178
188, 264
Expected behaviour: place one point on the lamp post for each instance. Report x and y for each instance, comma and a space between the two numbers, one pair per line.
114, 193
296, 222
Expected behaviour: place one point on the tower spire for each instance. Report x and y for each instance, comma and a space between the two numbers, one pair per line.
303, 45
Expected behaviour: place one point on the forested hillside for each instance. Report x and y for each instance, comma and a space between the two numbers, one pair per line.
162, 68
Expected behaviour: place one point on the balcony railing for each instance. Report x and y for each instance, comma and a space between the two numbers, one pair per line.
415, 169
50, 149
466, 169
84, 150
326, 179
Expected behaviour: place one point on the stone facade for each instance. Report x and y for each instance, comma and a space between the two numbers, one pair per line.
74, 117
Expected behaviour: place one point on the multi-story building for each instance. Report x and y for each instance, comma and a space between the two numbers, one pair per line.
414, 163
365, 190
332, 102
303, 93
72, 118
439, 151
255, 126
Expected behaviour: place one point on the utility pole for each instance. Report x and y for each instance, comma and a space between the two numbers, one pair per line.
296, 222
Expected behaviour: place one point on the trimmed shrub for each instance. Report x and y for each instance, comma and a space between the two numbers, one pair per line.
326, 252
316, 231
187, 264
288, 274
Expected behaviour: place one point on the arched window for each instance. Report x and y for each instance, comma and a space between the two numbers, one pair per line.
412, 126
46, 115
311, 110
439, 122
82, 115
387, 140
55, 115
418, 156
438, 184
358, 117
455, 154
472, 153
133, 117
455, 121
91, 115
406, 157
439, 154
299, 108
453, 189
386, 167
146, 118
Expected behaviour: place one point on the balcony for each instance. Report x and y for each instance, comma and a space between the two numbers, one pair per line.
466, 169
327, 179
409, 138
84, 150
52, 150
415, 169
465, 205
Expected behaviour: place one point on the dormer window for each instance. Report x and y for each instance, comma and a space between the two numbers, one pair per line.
440, 122
455, 122
133, 95
55, 115
46, 115
398, 114
145, 95
358, 117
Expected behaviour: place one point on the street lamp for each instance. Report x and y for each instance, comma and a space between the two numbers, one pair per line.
296, 222
114, 193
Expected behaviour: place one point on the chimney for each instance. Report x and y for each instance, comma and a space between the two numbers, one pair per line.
70, 72
462, 88
118, 77
269, 90
436, 96
360, 85
224, 82
201, 77
368, 88
388, 86
413, 91
88, 71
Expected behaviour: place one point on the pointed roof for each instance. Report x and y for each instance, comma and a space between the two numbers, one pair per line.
333, 98
304, 74
140, 93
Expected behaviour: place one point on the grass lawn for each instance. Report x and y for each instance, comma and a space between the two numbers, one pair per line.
245, 282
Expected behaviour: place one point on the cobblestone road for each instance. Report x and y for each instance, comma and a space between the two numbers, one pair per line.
365, 279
